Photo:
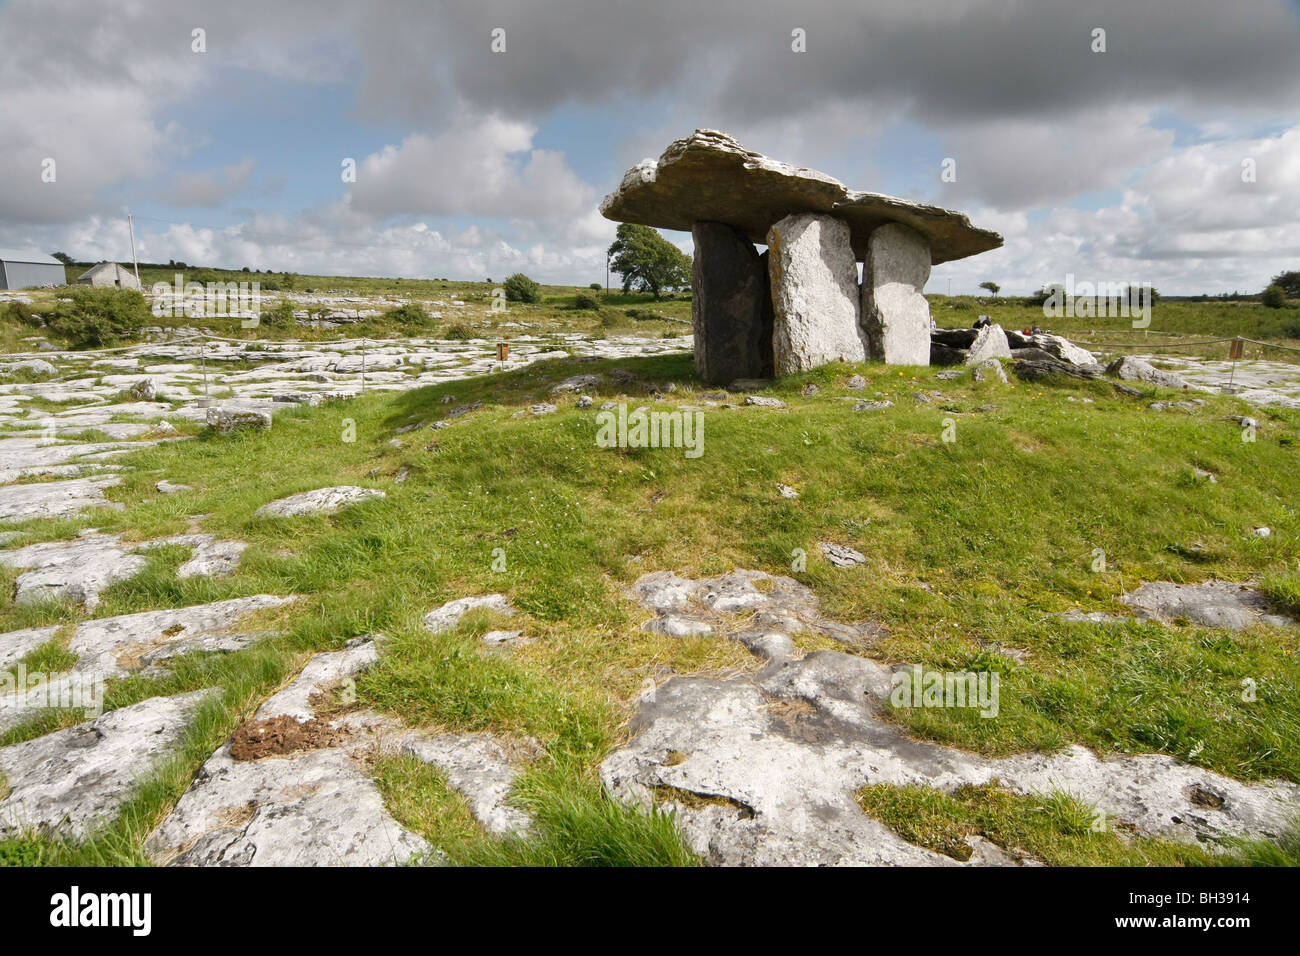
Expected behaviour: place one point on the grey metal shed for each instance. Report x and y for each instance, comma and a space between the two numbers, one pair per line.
24, 269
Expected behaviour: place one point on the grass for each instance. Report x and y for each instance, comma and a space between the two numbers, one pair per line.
1285, 851
1055, 828
971, 545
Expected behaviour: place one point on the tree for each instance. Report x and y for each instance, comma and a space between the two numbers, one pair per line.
1274, 297
1290, 283
993, 287
647, 261
520, 288
64, 258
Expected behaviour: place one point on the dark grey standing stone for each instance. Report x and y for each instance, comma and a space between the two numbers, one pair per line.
731, 306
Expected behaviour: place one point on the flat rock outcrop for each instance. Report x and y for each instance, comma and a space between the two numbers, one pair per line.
74, 780
1210, 603
307, 807
318, 501
762, 770
113, 647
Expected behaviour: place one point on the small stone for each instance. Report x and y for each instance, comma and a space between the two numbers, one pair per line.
497, 638
673, 625
764, 402
872, 406
990, 370
1262, 532
143, 390
165, 487
785, 491
576, 384
840, 555
227, 419
810, 390
543, 408
585, 401
856, 382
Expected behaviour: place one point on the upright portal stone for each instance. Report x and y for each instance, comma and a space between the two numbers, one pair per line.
731, 306
814, 293
895, 315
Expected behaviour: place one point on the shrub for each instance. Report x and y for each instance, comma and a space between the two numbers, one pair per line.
278, 317
585, 301
21, 313
89, 317
594, 287
408, 316
457, 333
1274, 297
520, 288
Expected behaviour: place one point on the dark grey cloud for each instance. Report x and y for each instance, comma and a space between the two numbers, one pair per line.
960, 62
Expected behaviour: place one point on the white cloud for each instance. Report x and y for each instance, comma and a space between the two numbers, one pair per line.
484, 167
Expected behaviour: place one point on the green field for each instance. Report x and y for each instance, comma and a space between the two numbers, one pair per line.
971, 544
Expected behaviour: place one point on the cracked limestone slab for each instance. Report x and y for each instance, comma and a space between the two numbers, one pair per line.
1211, 603
79, 569
481, 770
317, 501
782, 606
306, 808
447, 616
211, 558
114, 647
76, 570
76, 779
762, 770
15, 645
111, 646
55, 499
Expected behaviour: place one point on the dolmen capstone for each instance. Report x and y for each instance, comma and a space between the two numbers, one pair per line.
799, 304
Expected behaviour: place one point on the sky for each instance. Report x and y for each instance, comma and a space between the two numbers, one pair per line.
1165, 150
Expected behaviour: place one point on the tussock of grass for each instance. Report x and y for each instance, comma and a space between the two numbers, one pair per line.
581, 826
1284, 851
1056, 829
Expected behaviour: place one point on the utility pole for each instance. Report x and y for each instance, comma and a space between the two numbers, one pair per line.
130, 225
